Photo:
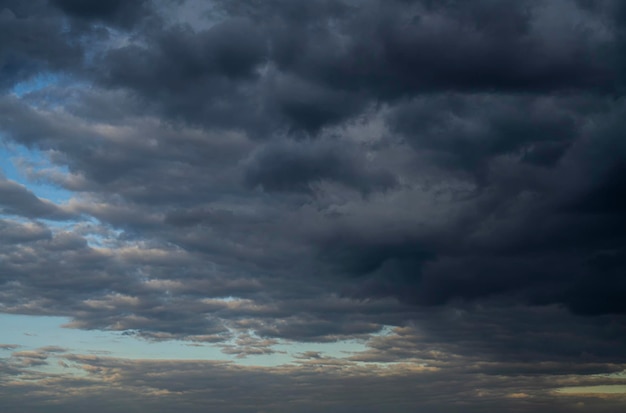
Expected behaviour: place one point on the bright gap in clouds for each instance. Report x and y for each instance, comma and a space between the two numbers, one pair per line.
32, 332
18, 162
29, 333
26, 165
36, 83
596, 391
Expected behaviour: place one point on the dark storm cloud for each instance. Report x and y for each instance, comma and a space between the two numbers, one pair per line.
33, 41
308, 106
468, 131
316, 171
182, 57
119, 12
526, 228
399, 48
206, 77
276, 66
516, 335
298, 166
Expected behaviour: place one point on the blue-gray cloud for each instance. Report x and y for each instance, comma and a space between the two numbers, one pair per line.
317, 172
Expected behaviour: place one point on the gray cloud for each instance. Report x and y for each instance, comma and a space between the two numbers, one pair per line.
9, 346
166, 384
121, 13
280, 173
18, 200
33, 41
298, 167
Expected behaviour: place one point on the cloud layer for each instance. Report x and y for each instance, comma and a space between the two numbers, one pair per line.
250, 173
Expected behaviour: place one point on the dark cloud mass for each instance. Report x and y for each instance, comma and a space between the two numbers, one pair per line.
439, 181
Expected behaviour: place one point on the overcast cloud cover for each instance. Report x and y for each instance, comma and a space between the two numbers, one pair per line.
442, 183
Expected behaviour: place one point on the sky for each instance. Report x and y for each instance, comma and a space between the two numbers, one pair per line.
342, 206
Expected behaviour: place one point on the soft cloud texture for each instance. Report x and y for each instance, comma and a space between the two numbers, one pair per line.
440, 182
